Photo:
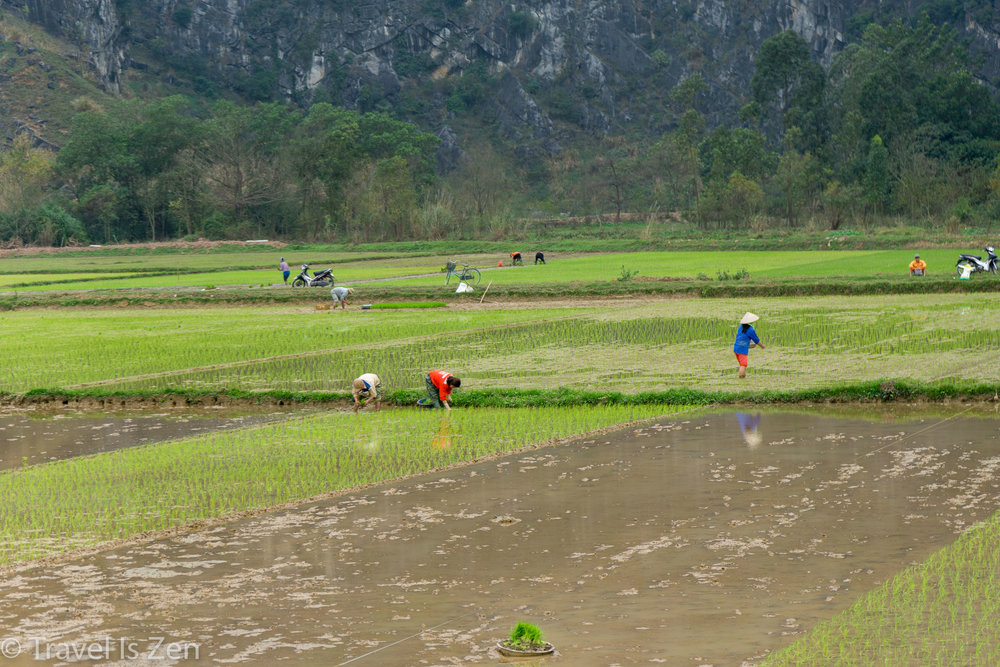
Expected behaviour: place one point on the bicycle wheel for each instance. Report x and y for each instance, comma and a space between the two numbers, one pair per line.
472, 276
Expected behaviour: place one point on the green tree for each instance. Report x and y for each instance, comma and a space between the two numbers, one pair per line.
876, 178
799, 180
243, 154
911, 83
729, 150
840, 203
26, 175
786, 78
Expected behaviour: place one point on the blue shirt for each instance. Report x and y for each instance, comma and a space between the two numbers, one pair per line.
743, 338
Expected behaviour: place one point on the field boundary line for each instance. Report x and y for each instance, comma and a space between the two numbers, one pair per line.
212, 522
311, 353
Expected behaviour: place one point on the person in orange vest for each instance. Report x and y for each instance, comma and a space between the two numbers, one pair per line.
439, 385
515, 258
918, 267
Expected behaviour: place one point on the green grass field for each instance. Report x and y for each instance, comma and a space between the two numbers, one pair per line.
255, 269
759, 264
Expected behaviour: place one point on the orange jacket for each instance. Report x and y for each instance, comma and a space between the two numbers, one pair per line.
918, 264
440, 380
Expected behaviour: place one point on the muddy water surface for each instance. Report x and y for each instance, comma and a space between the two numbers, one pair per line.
701, 541
28, 438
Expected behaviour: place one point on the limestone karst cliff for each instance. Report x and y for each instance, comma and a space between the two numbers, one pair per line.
596, 66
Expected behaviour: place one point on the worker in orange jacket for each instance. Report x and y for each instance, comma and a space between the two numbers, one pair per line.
439, 385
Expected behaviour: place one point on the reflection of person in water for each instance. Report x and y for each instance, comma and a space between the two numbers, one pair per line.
749, 424
443, 438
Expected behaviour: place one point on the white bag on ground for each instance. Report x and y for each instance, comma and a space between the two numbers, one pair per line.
464, 287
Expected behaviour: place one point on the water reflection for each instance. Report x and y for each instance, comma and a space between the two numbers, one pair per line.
748, 425
443, 438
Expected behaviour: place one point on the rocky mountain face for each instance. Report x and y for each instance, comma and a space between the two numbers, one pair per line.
546, 68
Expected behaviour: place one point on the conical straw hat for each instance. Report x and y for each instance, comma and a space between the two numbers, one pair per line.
749, 318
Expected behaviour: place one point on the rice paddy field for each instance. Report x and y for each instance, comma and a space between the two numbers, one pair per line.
259, 268
618, 374
648, 346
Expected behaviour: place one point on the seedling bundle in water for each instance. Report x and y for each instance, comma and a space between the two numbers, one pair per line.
525, 636
524, 640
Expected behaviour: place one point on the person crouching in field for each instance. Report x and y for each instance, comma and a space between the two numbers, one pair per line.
539, 257
439, 385
746, 338
368, 388
340, 296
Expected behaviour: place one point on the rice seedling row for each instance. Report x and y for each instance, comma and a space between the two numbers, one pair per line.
63, 348
941, 611
68, 504
592, 351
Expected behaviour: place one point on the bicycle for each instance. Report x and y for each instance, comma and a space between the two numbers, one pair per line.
468, 275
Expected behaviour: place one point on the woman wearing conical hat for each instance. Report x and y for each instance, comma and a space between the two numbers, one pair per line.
746, 338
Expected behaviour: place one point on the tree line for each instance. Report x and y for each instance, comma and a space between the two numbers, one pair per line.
896, 126
168, 169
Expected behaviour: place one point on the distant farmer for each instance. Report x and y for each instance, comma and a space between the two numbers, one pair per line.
539, 257
918, 267
340, 296
368, 388
285, 271
746, 337
439, 385
515, 258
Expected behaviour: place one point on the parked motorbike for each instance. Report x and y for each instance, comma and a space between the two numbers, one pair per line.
322, 278
975, 263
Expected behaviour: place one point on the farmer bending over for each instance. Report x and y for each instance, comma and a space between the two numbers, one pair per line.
340, 295
439, 385
515, 258
744, 335
539, 257
369, 388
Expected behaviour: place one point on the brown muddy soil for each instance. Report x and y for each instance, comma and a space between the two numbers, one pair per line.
707, 541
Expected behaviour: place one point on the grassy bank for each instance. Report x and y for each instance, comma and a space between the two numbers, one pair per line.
883, 391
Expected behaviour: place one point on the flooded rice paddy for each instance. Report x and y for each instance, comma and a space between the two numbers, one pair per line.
29, 438
705, 540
